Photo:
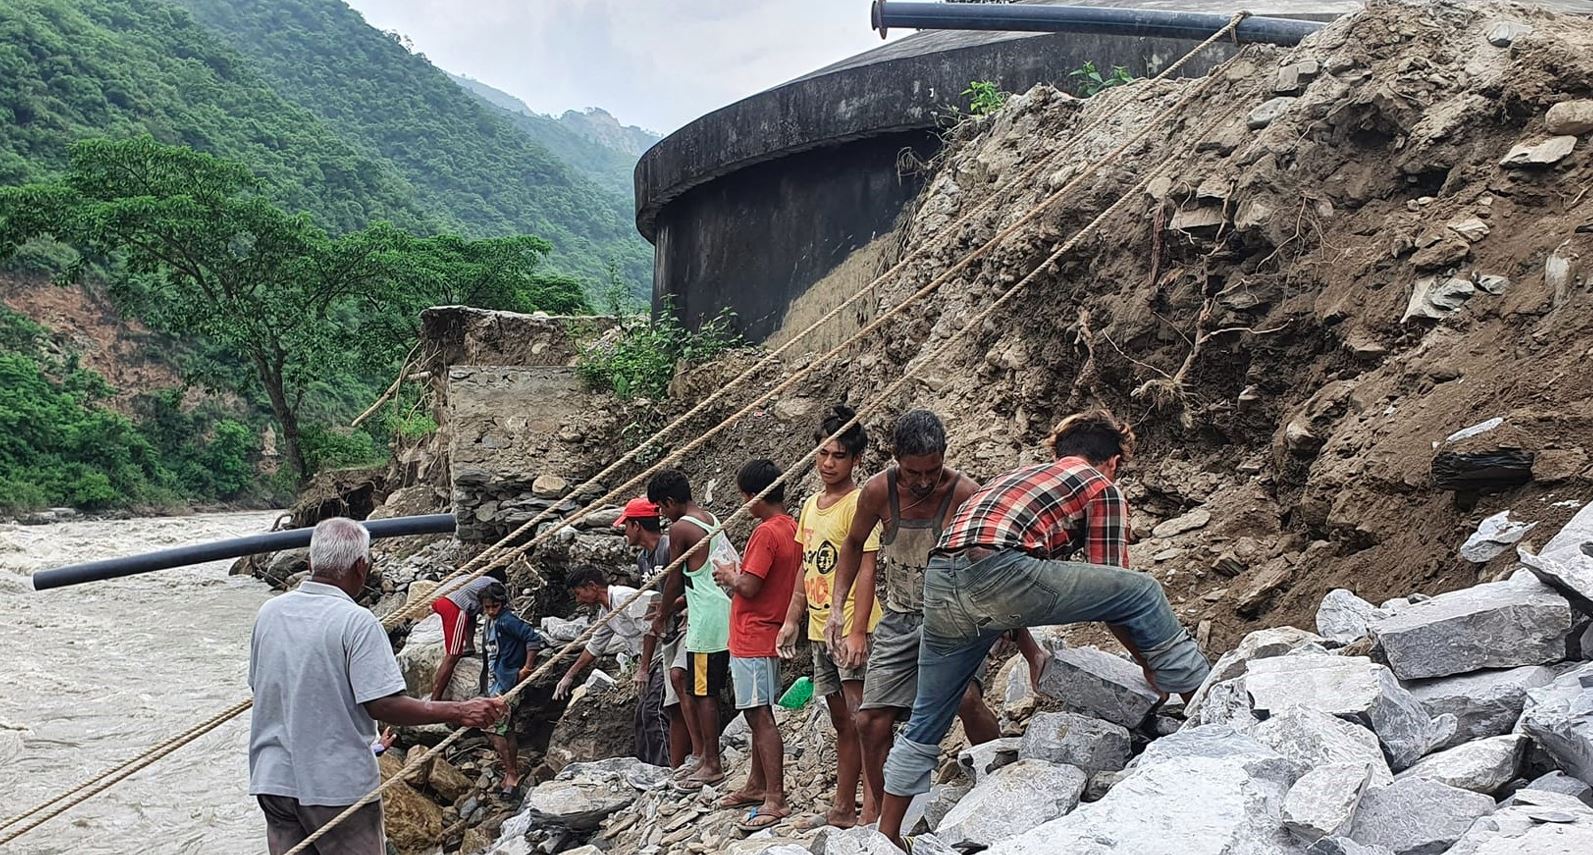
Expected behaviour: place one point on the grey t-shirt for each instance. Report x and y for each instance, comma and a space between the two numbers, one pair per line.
315, 657
649, 563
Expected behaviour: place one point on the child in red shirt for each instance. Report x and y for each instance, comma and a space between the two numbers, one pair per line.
760, 595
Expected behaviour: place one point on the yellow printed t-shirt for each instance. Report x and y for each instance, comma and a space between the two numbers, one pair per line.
821, 533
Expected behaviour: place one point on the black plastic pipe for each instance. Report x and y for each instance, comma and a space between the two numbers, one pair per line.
1039, 18
254, 544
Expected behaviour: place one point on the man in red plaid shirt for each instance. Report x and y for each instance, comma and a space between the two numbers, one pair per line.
1003, 564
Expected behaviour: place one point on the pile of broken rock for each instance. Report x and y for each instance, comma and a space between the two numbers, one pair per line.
1459, 724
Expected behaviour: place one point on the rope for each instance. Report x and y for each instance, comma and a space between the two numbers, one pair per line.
878, 402
109, 778
459, 578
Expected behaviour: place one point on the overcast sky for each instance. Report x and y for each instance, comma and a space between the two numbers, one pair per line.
654, 63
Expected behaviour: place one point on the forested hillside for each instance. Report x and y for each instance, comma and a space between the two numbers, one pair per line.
460, 156
71, 69
593, 142
312, 112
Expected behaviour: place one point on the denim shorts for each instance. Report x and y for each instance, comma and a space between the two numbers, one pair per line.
966, 600
968, 604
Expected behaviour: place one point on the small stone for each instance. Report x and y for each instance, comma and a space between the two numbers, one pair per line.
862, 840
1226, 702
1417, 816
1535, 823
1447, 251
549, 486
1198, 221
1573, 578
1268, 113
1075, 740
1565, 785
1322, 803
1301, 440
1267, 582
942, 798
1293, 77
1493, 538
1471, 228
446, 780
1545, 153
1010, 801
986, 757
1097, 684
1432, 299
1343, 617
1572, 118
1484, 766
1345, 846
1195, 519
1102, 783
1560, 273
1505, 33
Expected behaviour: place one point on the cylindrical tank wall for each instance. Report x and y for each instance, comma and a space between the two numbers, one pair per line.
742, 223
754, 240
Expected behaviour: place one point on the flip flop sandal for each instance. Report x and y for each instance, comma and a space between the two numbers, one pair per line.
812, 822
696, 785
752, 824
685, 770
744, 801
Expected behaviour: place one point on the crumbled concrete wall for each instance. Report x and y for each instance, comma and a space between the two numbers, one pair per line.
514, 447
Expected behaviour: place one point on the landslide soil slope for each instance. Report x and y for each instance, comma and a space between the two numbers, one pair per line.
1248, 312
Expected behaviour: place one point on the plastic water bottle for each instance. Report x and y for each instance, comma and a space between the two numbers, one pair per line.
798, 695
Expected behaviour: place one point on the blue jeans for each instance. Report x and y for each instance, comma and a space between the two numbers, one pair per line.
968, 605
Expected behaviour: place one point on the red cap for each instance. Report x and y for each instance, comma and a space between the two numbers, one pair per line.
637, 509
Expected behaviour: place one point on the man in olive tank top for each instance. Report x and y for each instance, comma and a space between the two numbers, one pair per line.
911, 503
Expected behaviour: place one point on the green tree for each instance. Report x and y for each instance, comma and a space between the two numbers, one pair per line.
200, 252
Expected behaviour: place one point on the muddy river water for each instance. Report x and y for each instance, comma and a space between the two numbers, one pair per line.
94, 674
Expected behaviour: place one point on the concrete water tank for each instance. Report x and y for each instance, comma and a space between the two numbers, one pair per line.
750, 205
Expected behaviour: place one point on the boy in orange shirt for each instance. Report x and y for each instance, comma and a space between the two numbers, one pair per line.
760, 590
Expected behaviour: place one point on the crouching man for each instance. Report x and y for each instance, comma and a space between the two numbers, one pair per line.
323, 673
1002, 564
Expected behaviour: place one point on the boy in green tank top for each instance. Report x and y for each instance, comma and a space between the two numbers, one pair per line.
707, 636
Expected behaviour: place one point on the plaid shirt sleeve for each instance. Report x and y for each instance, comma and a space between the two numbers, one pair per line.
1106, 527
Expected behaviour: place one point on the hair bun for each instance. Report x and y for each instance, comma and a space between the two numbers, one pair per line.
843, 412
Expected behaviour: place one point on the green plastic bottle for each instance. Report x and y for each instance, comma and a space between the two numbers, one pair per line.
798, 695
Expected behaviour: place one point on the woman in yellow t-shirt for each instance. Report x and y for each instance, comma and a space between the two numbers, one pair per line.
821, 529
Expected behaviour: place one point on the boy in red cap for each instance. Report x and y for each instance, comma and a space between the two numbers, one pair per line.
663, 734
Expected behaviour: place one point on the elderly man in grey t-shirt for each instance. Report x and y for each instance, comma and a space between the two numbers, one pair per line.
323, 673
